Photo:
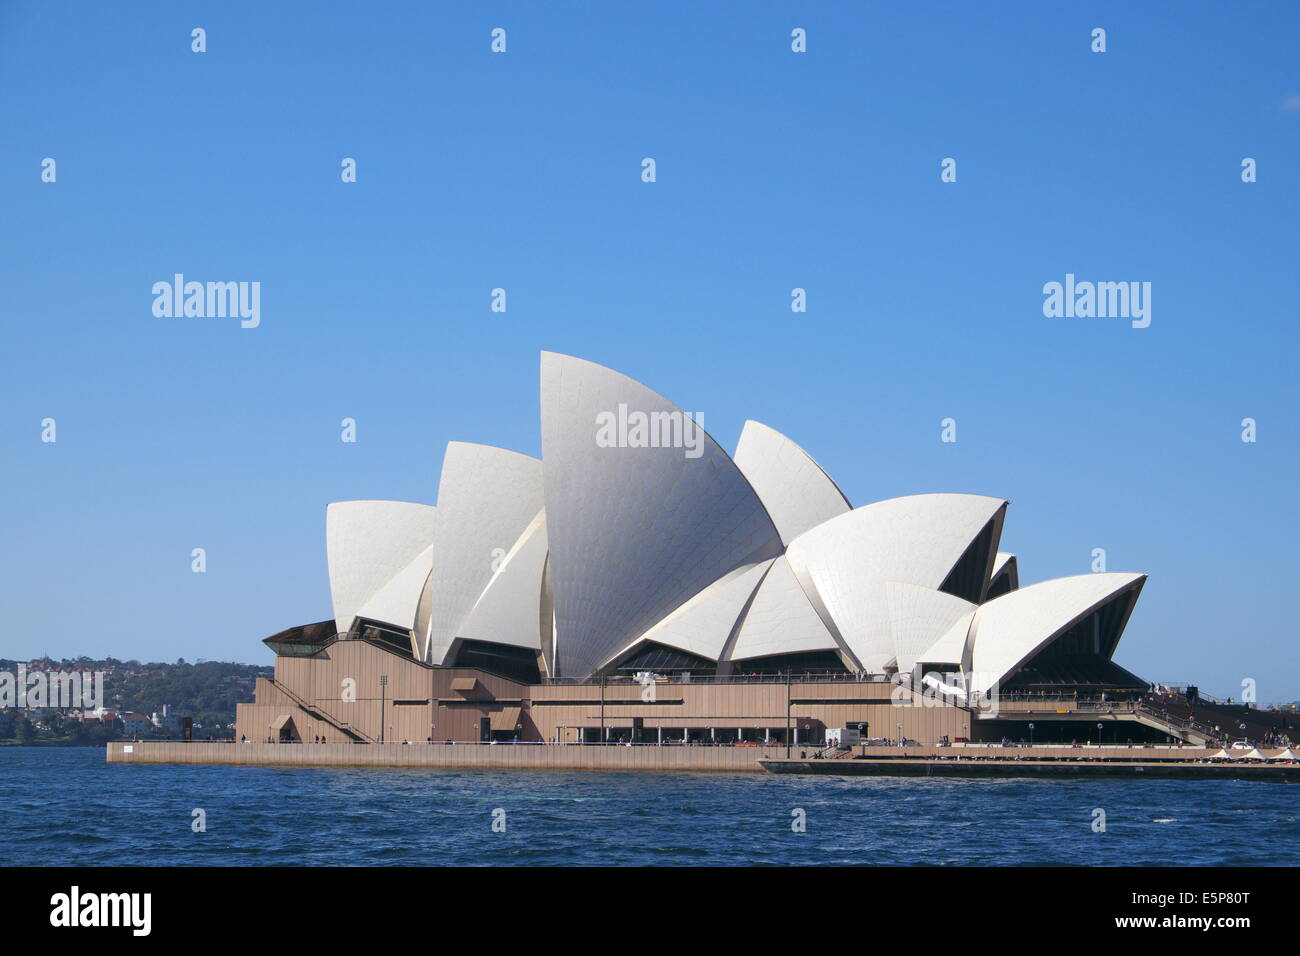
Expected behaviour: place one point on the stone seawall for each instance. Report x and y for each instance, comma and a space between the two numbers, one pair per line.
1133, 770
460, 756
906, 761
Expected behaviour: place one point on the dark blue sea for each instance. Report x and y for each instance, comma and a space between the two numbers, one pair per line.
67, 806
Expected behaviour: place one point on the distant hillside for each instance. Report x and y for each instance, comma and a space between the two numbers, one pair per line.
206, 691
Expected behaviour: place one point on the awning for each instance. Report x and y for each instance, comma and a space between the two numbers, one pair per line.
282, 721
506, 719
305, 641
464, 683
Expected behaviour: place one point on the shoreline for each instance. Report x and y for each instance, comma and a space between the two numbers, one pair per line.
907, 761
453, 757
1006, 769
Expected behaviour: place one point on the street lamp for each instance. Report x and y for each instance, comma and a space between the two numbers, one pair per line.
383, 682
1099, 733
1031, 735
900, 735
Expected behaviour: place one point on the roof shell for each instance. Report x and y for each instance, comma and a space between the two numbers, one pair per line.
1009, 630
634, 531
952, 649
796, 491
396, 601
780, 619
487, 496
1005, 566
367, 543
703, 624
843, 564
509, 609
918, 617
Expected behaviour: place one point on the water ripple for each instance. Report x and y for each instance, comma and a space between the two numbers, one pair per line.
67, 806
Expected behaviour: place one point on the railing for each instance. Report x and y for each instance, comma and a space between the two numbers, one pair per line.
1089, 745
743, 745
1108, 707
1022, 696
804, 678
1066, 703
1181, 722
1181, 690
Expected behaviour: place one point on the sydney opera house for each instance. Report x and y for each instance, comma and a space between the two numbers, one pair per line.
639, 584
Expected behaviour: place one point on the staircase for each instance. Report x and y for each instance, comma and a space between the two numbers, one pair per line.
1188, 731
833, 753
346, 729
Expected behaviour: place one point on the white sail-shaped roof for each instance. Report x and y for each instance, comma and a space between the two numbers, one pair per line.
1002, 562
396, 602
367, 543
952, 649
797, 493
703, 624
486, 497
780, 620
1004, 566
640, 529
635, 530
918, 617
1007, 631
843, 564
509, 610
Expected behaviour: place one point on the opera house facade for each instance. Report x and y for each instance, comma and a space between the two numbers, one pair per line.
639, 584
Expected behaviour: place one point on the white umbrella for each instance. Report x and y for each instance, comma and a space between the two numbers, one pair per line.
1255, 755
1287, 754
1221, 755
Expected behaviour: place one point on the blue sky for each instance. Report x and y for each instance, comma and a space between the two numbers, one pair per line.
775, 170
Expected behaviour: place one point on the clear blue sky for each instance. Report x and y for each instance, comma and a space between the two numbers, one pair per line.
522, 170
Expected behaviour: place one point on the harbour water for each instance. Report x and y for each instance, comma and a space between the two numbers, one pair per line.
61, 806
